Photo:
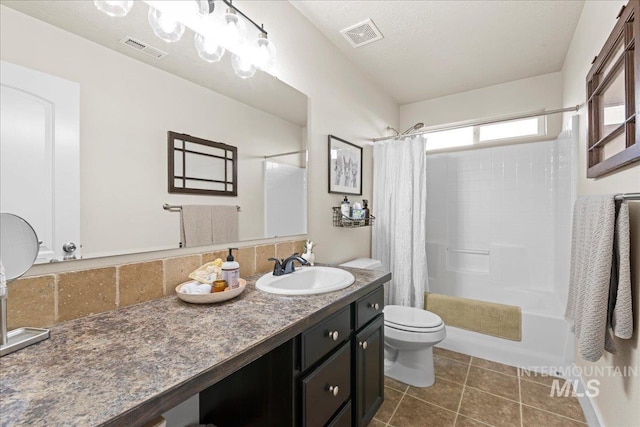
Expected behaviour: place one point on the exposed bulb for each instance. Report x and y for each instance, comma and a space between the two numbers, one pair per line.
116, 8
233, 29
264, 53
243, 66
165, 27
207, 48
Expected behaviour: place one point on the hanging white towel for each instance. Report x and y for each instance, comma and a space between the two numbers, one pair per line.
195, 226
589, 309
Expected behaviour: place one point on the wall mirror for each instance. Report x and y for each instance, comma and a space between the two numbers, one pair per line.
89, 168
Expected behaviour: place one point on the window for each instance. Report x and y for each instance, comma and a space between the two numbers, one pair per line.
520, 130
612, 140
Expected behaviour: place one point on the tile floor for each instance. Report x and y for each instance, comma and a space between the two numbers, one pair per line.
473, 392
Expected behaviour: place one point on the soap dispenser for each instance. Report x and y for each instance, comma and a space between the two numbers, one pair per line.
231, 270
345, 209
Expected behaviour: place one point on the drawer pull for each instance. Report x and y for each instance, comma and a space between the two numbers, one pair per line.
333, 335
333, 389
375, 306
363, 344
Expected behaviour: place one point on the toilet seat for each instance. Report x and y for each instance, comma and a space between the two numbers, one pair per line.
411, 319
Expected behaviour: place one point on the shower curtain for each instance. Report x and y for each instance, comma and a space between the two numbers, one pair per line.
399, 235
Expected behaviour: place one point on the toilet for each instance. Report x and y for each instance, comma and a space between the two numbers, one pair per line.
409, 336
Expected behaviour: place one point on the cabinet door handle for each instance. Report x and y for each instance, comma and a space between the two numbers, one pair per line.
333, 335
333, 389
375, 306
363, 344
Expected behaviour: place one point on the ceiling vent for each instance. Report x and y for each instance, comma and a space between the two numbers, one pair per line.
143, 47
363, 33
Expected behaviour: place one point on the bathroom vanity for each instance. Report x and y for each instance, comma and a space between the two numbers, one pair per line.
260, 359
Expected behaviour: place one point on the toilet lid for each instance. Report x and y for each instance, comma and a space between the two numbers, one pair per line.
410, 317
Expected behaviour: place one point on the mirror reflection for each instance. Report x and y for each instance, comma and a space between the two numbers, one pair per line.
84, 133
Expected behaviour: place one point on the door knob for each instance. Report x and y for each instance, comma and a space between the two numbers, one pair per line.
69, 247
333, 335
375, 306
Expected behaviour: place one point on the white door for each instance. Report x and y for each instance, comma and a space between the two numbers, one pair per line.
40, 156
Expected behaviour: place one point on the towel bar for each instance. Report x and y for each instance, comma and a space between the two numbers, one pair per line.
178, 208
627, 196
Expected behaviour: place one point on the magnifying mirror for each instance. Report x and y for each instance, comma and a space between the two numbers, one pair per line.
18, 245
18, 251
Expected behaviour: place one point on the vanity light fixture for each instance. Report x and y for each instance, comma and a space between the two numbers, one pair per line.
214, 35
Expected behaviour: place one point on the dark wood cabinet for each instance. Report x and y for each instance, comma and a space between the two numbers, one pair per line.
332, 374
369, 371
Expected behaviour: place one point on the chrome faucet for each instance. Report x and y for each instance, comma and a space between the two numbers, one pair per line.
286, 266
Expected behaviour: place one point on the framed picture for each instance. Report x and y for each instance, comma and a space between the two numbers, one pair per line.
345, 167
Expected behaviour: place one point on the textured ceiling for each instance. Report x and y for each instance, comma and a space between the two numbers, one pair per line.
437, 48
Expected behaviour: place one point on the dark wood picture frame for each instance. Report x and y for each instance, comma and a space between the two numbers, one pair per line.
618, 58
212, 151
345, 167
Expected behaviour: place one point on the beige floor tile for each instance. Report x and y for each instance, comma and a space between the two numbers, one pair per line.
395, 384
416, 413
537, 378
490, 409
532, 417
462, 421
495, 366
539, 396
460, 357
140, 282
443, 393
391, 399
377, 423
450, 369
31, 302
493, 382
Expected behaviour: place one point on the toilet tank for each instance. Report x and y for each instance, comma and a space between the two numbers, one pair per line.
364, 263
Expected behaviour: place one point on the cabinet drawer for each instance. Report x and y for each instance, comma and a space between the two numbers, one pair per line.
343, 419
326, 388
369, 307
324, 337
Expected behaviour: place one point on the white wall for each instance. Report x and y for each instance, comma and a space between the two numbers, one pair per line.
342, 101
520, 96
617, 402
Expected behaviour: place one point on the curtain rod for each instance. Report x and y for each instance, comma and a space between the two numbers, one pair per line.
460, 125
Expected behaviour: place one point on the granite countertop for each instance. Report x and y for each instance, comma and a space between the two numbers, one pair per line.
126, 366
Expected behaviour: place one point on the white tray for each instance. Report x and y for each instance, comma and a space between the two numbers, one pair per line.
212, 297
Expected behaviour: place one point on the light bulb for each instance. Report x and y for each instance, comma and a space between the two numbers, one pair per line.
233, 29
243, 66
165, 27
207, 48
264, 53
116, 8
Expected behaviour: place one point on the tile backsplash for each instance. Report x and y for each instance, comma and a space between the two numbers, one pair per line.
41, 301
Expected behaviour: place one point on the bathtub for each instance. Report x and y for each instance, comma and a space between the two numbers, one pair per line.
546, 338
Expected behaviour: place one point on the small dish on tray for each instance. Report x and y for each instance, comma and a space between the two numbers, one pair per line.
212, 297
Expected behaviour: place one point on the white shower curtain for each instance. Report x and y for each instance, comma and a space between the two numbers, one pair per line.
399, 196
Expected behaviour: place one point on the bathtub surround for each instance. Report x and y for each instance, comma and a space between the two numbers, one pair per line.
52, 298
400, 193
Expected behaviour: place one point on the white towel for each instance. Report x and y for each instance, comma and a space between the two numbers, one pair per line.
195, 226
195, 288
590, 283
224, 224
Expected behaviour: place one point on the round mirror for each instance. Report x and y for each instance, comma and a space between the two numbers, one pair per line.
18, 245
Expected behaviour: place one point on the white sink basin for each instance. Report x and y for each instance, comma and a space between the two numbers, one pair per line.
306, 281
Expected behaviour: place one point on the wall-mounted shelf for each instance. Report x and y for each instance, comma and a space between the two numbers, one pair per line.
340, 220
